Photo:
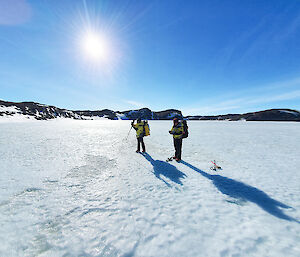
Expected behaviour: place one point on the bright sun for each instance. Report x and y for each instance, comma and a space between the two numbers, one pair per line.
95, 46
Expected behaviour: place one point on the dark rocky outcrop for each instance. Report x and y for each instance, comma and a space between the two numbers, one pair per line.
267, 115
147, 114
45, 112
169, 114
109, 114
37, 111
273, 115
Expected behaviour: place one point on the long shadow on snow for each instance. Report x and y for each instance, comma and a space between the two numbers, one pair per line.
165, 169
244, 192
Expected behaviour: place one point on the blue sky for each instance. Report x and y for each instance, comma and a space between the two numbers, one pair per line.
202, 57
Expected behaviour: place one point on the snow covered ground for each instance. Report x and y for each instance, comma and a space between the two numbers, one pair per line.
77, 188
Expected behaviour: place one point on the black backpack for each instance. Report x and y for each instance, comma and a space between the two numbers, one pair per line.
185, 129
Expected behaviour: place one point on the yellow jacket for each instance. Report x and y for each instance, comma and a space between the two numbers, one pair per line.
177, 131
139, 127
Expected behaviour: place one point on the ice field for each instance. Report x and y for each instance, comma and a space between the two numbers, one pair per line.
77, 188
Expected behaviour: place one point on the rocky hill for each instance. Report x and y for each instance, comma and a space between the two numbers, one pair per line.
267, 115
32, 110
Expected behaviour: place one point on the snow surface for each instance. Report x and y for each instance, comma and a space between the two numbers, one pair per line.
105, 117
13, 114
9, 109
172, 115
77, 188
290, 112
121, 116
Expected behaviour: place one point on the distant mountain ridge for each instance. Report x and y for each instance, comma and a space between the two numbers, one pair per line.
266, 115
32, 110
37, 111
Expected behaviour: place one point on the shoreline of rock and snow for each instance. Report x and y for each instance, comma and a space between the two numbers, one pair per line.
27, 111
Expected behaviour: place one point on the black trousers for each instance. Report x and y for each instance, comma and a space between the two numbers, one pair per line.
140, 141
178, 147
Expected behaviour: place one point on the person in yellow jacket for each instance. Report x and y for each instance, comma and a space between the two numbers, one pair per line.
177, 131
140, 133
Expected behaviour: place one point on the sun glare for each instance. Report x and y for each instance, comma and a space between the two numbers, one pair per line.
95, 47
98, 53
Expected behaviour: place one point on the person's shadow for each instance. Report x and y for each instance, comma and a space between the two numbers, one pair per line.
243, 192
161, 168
